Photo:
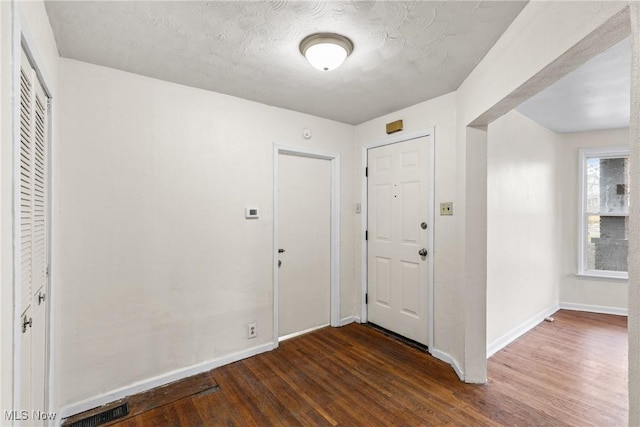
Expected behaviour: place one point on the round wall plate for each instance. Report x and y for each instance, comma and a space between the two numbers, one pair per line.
306, 133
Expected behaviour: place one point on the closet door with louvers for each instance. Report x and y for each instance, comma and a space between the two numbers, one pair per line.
31, 192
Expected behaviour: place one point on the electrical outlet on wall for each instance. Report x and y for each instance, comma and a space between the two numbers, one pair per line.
252, 330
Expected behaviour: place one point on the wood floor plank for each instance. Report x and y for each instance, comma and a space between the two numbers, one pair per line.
154, 398
188, 413
290, 394
321, 397
571, 372
218, 410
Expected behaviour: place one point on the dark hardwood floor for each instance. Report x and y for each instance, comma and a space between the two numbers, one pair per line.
571, 372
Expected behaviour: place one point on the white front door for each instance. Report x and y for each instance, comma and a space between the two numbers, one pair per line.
398, 206
304, 204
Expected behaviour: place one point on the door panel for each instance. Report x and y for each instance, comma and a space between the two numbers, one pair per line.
25, 187
398, 203
31, 192
304, 203
410, 212
38, 355
383, 213
383, 282
25, 366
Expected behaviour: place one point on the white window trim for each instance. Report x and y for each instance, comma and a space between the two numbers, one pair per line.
583, 155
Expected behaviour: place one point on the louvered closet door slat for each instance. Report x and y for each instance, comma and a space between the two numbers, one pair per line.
26, 182
39, 191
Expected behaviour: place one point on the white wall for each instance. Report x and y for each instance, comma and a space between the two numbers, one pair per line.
532, 244
523, 61
583, 291
157, 268
438, 113
522, 226
34, 25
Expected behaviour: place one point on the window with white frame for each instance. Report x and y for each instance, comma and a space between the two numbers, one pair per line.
604, 212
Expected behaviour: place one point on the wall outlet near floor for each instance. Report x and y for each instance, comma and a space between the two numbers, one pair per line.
252, 331
446, 208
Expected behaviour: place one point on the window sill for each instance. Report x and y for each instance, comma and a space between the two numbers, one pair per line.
602, 277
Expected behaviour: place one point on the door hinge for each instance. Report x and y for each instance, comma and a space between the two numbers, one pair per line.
47, 271
366, 298
366, 234
26, 323
366, 171
48, 104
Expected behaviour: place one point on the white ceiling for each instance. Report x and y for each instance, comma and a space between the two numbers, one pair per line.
593, 97
405, 52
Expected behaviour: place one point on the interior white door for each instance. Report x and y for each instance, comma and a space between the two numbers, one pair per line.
304, 210
398, 190
31, 192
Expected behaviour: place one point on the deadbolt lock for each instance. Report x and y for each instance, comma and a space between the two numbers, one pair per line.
423, 225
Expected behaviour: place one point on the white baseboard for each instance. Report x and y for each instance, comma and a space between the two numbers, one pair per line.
519, 330
306, 331
160, 380
447, 358
343, 322
594, 308
350, 319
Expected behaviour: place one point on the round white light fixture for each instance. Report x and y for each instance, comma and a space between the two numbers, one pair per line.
326, 51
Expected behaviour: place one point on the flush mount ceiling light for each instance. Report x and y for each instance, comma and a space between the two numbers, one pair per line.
326, 51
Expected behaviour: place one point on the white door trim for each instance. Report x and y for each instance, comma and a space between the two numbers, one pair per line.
431, 220
334, 158
22, 38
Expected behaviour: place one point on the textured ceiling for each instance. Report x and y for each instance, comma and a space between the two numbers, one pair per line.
595, 96
405, 52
